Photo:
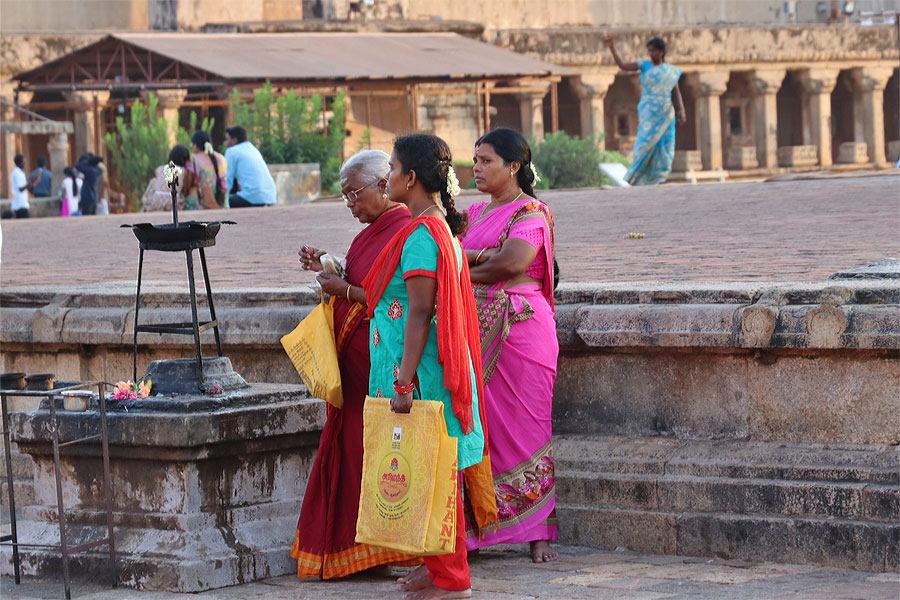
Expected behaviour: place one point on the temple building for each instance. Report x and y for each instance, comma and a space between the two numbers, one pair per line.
790, 92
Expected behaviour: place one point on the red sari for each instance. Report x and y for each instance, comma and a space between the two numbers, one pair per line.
325, 545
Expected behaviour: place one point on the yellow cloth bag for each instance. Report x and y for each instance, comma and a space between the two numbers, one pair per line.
409, 479
311, 348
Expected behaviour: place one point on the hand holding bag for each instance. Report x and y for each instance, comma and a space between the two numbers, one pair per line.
409, 481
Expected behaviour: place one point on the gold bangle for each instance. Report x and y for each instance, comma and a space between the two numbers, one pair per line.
348, 292
478, 257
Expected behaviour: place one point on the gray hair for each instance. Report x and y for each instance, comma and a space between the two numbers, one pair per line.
370, 164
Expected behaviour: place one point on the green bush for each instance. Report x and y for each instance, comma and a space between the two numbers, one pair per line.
564, 161
292, 129
138, 147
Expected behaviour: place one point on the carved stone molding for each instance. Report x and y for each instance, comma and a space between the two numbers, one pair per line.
593, 85
709, 83
871, 79
819, 81
84, 99
767, 81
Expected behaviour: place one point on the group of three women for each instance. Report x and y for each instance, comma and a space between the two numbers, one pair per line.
443, 305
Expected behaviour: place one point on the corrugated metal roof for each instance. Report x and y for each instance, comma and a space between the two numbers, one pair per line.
301, 56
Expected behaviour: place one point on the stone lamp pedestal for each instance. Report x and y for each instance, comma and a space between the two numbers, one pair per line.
206, 489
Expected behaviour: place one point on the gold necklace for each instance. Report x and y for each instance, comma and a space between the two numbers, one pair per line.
495, 205
427, 208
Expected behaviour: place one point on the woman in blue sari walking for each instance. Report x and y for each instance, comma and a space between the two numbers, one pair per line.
655, 143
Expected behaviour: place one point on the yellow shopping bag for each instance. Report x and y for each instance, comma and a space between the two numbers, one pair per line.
409, 479
311, 348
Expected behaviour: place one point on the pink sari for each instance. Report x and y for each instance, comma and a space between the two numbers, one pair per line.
519, 354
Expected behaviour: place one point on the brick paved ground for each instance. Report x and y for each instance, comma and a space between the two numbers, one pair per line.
581, 573
755, 231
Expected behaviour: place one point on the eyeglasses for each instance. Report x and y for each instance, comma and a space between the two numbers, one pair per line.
353, 195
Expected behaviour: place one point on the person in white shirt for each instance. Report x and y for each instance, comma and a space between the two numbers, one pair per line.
18, 183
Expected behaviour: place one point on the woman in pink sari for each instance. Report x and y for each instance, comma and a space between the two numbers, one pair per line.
509, 245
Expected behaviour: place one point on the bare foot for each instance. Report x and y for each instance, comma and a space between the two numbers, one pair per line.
542, 552
418, 583
420, 571
432, 592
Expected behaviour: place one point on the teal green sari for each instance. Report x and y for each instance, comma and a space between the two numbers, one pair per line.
654, 147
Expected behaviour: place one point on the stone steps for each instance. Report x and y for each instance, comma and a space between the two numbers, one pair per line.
831, 505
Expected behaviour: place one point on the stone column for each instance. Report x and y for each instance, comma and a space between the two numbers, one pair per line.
58, 149
708, 86
591, 90
7, 141
169, 103
871, 82
82, 103
818, 85
531, 107
766, 84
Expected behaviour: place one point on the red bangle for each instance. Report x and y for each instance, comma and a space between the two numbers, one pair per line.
403, 389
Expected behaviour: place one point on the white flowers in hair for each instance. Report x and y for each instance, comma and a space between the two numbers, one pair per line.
452, 182
534, 172
208, 148
171, 172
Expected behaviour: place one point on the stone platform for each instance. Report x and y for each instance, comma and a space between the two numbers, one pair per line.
205, 489
718, 395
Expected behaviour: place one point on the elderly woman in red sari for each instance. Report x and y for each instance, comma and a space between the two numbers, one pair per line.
325, 545
509, 245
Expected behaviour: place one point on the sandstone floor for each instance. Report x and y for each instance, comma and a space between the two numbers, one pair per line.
581, 573
736, 232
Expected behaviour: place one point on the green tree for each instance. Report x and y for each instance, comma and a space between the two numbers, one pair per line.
564, 161
136, 149
183, 136
294, 129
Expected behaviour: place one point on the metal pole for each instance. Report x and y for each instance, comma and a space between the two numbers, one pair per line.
137, 308
196, 323
107, 484
14, 536
174, 192
209, 299
54, 429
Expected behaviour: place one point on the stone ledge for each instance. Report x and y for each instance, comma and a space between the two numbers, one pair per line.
262, 411
851, 314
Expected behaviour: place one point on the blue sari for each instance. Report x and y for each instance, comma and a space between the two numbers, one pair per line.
655, 143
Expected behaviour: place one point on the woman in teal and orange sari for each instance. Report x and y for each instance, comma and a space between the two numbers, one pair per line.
424, 339
654, 147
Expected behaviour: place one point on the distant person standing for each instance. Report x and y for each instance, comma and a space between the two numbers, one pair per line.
660, 107
92, 173
18, 183
246, 168
40, 180
68, 193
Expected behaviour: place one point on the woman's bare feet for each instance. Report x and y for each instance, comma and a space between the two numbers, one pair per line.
418, 572
432, 592
419, 583
542, 552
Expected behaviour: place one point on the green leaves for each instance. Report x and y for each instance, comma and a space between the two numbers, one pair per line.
564, 161
295, 129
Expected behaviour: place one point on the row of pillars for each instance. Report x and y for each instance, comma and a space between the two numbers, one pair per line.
707, 86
